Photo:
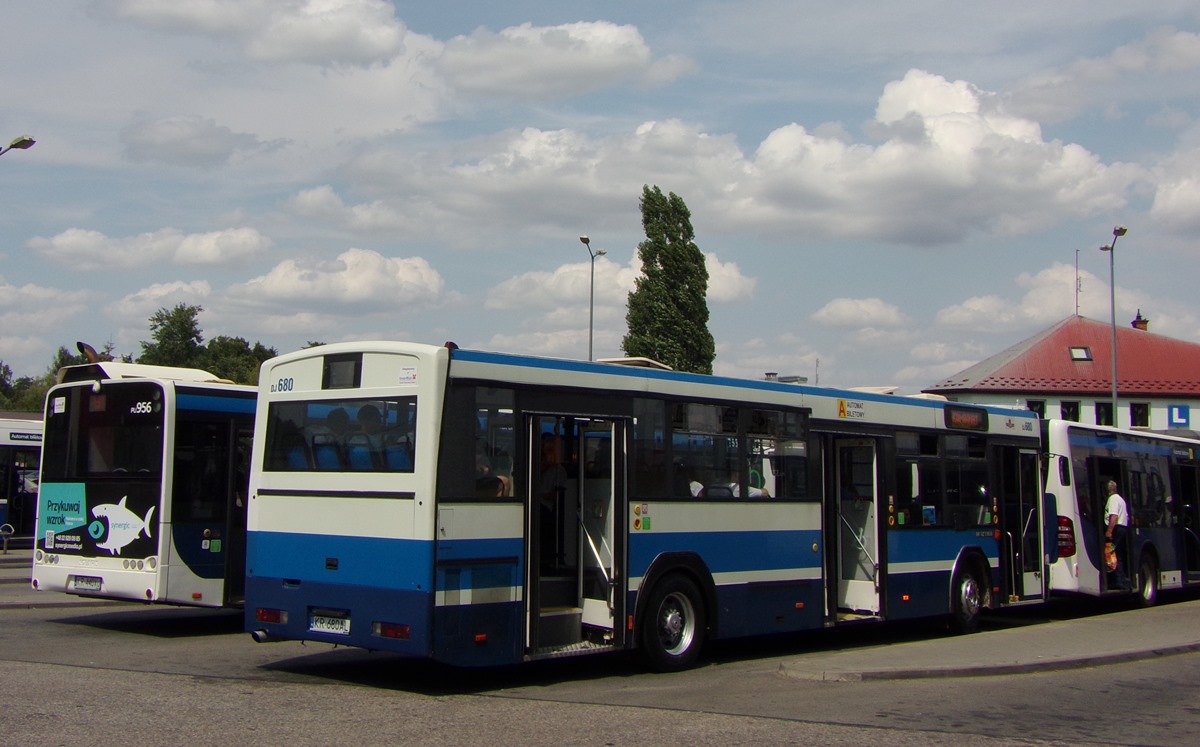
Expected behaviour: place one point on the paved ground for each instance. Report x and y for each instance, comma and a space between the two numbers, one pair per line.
1126, 635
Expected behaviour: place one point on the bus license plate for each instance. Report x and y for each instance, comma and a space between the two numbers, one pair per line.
335, 625
87, 583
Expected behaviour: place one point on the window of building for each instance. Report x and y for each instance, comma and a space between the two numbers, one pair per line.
1081, 353
1037, 405
1139, 414
1104, 413
1070, 411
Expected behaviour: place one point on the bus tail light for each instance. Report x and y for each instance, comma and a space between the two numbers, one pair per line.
267, 615
1066, 537
398, 631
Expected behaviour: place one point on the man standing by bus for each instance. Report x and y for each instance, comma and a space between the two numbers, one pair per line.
1117, 515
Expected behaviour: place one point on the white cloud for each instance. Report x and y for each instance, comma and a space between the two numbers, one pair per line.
531, 62
949, 165
726, 283
859, 313
85, 250
319, 32
322, 203
1048, 298
35, 310
357, 278
140, 305
230, 246
186, 141
1128, 74
1177, 194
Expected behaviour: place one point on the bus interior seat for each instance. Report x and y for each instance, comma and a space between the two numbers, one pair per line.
325, 453
297, 458
397, 458
358, 453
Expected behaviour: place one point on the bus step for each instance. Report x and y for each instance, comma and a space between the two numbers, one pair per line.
849, 617
559, 626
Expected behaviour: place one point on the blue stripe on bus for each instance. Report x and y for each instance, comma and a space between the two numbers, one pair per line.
572, 366
925, 544
357, 561
729, 552
209, 403
480, 549
1113, 441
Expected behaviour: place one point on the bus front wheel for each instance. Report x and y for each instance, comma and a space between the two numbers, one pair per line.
673, 624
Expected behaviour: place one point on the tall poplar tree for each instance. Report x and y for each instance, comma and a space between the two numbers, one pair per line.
667, 315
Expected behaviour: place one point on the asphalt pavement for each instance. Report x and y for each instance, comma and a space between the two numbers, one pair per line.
1085, 641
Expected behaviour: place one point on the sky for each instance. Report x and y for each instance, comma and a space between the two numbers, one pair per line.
885, 194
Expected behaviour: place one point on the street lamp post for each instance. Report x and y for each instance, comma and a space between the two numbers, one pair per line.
591, 290
24, 142
1118, 231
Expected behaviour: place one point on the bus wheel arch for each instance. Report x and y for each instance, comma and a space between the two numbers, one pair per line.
970, 592
675, 612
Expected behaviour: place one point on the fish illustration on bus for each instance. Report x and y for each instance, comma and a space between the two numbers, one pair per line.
124, 526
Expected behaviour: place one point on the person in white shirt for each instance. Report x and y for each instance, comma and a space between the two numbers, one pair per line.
1116, 514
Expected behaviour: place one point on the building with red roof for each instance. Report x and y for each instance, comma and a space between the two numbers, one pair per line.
1066, 372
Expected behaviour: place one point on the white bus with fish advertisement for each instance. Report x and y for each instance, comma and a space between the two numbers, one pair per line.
144, 478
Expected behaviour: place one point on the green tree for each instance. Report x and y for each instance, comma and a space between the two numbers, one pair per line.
233, 358
27, 393
667, 315
176, 338
6, 385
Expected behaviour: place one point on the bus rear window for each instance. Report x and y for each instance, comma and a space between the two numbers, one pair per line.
351, 435
116, 431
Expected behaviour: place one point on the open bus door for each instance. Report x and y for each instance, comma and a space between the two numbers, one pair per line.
1189, 504
1023, 547
576, 489
855, 482
1021, 524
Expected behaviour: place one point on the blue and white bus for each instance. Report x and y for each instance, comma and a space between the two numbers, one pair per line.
479, 508
143, 485
1159, 477
20, 445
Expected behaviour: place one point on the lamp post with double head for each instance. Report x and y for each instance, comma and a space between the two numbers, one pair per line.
591, 290
1118, 231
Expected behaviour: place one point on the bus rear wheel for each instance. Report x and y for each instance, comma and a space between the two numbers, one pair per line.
1147, 581
673, 625
970, 597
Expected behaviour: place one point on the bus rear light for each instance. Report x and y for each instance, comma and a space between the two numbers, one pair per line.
267, 615
399, 631
481, 638
905, 598
197, 595
1066, 537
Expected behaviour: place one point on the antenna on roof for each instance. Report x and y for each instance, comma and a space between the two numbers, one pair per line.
1077, 282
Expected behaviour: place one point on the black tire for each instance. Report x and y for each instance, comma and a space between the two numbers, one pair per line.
672, 627
970, 597
1147, 582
